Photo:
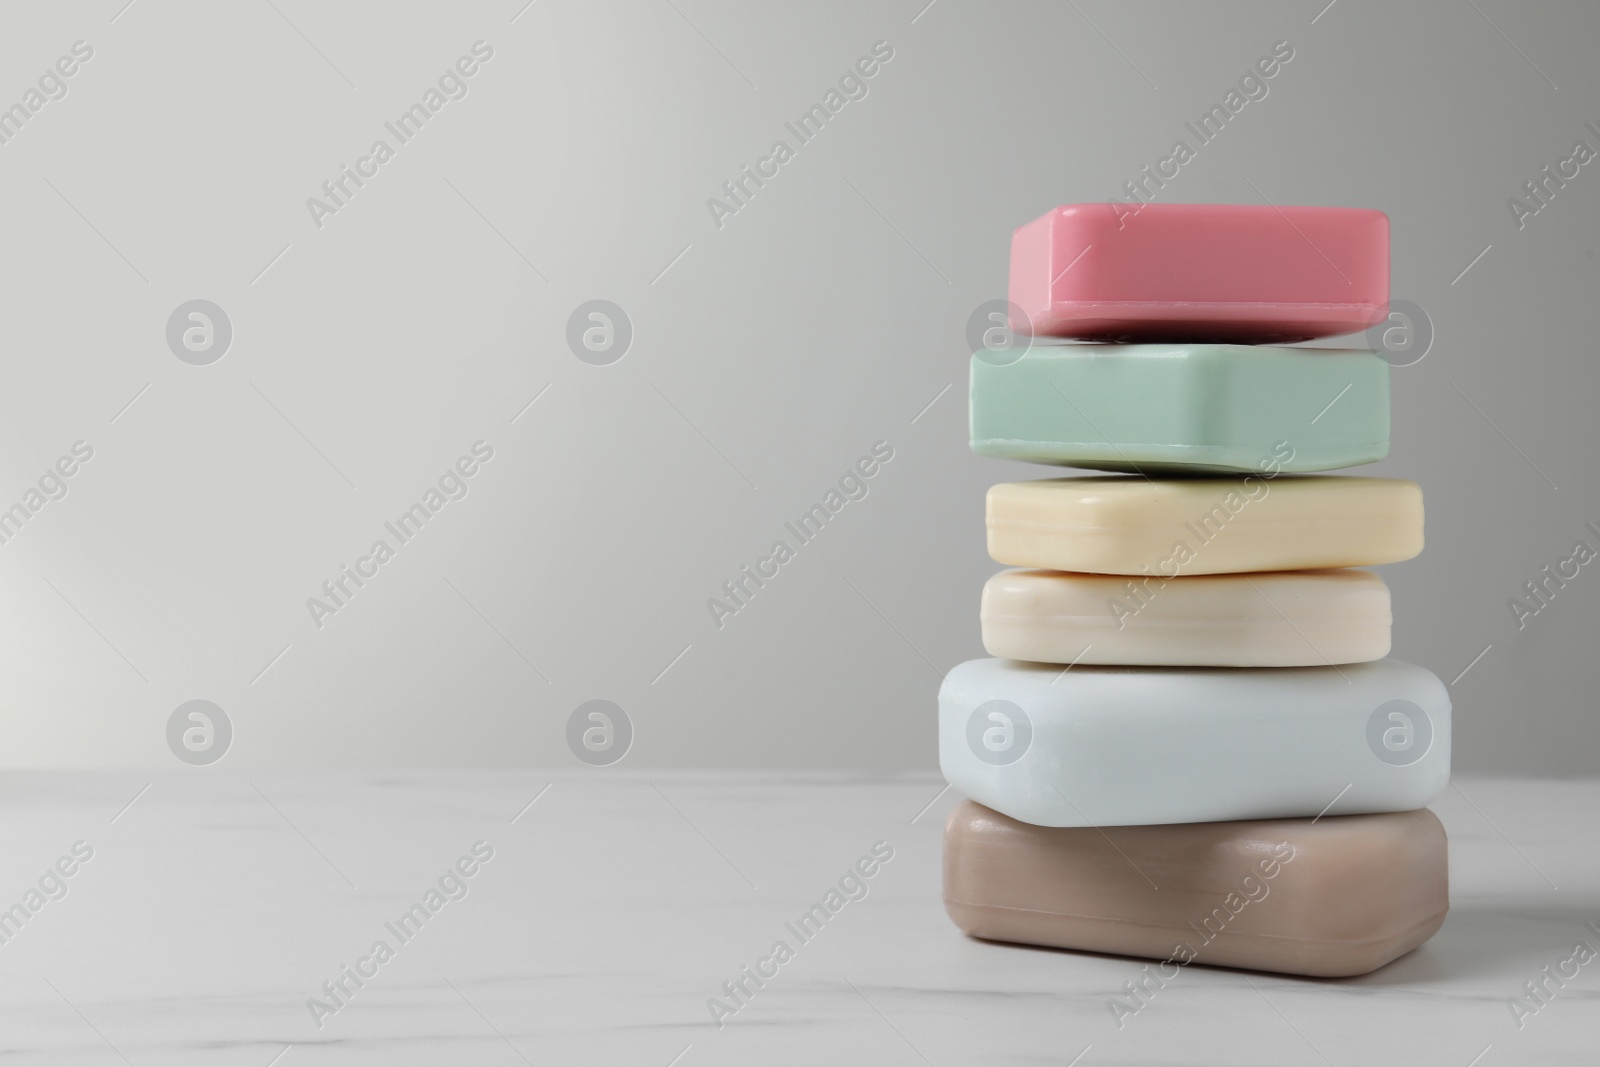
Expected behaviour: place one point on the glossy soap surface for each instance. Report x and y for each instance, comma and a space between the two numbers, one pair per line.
1279, 619
1135, 526
1329, 897
1118, 746
1191, 407
1247, 273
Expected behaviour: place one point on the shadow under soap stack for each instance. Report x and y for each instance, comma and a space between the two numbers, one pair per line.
1192, 746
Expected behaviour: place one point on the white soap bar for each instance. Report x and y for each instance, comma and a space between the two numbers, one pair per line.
1278, 619
1116, 746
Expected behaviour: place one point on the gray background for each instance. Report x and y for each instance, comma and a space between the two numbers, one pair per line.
768, 355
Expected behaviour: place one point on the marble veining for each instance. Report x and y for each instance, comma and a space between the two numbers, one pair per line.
618, 905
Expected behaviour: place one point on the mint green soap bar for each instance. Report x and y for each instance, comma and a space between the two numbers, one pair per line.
1181, 407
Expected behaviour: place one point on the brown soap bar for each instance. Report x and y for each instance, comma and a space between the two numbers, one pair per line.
1328, 897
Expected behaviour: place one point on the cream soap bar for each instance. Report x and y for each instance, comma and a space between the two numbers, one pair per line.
1280, 619
1118, 746
1132, 525
1187, 407
1329, 897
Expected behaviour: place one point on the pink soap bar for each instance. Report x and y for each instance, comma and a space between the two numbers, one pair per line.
1232, 273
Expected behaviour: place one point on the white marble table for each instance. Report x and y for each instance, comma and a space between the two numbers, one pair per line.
617, 904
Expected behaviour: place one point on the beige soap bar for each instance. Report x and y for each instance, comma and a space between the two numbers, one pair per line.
1279, 619
1168, 528
1328, 897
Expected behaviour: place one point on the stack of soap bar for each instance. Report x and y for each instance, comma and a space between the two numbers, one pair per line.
1187, 656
